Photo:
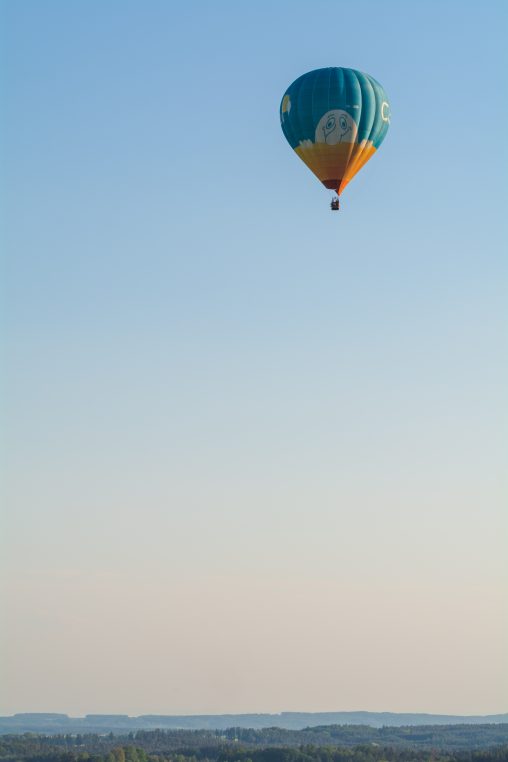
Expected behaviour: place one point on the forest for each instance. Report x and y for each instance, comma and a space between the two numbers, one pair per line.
457, 743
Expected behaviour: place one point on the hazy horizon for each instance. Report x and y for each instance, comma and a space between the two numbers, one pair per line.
258, 713
254, 451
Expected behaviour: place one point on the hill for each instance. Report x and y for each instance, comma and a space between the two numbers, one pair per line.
122, 723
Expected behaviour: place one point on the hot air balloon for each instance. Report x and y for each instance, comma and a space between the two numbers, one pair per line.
335, 119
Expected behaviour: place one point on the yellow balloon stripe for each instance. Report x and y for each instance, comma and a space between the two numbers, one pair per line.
335, 165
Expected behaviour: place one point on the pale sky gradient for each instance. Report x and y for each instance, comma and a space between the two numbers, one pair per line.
254, 451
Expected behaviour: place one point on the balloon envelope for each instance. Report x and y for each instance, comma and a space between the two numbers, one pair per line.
335, 119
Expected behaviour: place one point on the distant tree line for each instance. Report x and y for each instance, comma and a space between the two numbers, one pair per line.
448, 737
209, 743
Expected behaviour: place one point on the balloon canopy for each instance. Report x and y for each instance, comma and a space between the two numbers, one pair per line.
335, 119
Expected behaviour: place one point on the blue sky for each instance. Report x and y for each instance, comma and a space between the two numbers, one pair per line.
227, 408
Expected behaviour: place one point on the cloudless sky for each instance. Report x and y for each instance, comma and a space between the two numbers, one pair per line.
254, 451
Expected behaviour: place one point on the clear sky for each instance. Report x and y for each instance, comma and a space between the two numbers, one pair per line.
254, 450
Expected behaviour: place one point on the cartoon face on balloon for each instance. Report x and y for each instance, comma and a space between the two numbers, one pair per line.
336, 126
